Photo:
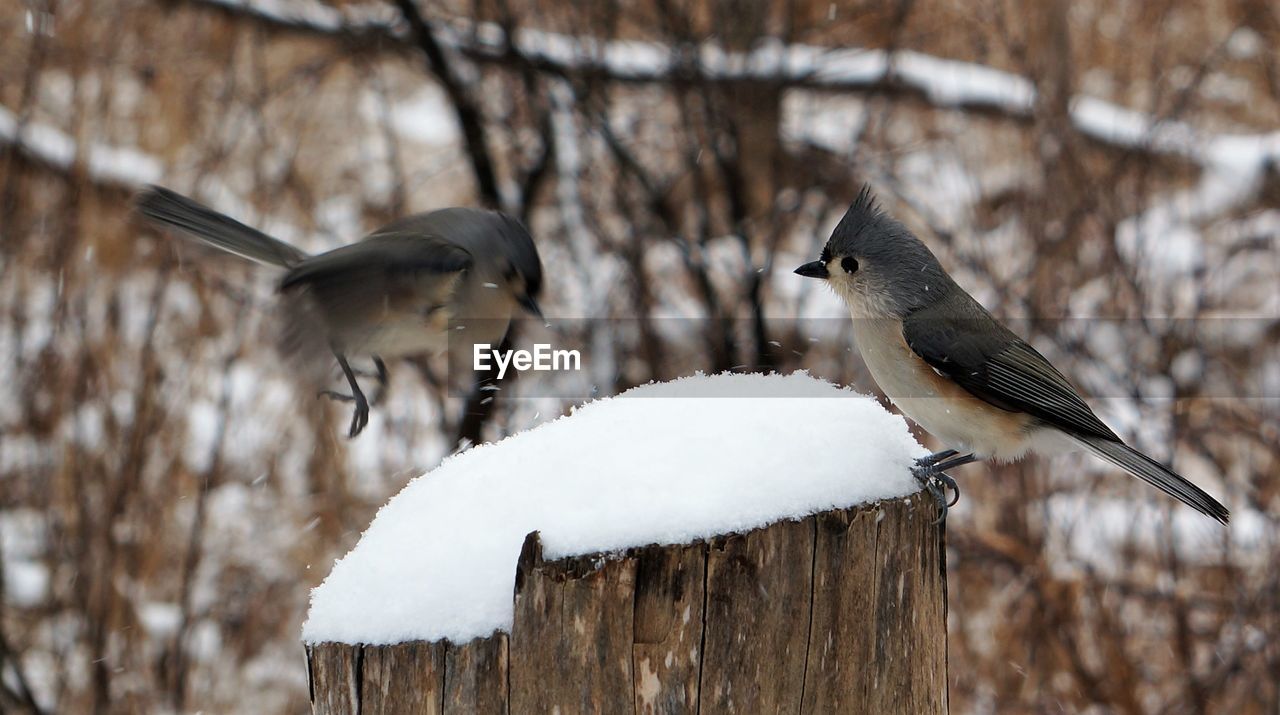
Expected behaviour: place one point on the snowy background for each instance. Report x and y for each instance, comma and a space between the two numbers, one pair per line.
1104, 175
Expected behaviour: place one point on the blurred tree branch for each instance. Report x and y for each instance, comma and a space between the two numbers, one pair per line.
465, 105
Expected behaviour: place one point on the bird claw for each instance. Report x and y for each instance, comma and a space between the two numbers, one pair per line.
360, 417
335, 395
930, 460
929, 471
380, 374
937, 485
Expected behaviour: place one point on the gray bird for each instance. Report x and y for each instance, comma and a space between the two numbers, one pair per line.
949, 365
396, 293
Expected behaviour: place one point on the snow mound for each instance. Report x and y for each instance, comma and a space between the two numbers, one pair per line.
664, 463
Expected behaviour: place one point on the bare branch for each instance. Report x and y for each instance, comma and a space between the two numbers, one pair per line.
465, 105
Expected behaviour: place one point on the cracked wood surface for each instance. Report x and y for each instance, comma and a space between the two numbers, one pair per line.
841, 612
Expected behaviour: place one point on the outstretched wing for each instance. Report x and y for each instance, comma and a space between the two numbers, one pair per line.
960, 340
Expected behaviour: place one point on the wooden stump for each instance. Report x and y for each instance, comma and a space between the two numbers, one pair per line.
842, 612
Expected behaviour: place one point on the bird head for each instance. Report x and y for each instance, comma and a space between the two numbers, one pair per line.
876, 265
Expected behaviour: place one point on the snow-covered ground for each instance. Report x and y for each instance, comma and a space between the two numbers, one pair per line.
664, 463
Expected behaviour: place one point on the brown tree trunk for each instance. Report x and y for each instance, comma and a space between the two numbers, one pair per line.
841, 612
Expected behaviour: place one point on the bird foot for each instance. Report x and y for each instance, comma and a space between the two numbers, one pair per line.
335, 395
359, 418
930, 471
380, 374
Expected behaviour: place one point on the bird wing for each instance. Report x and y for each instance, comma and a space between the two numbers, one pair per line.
962, 342
377, 287
385, 257
483, 233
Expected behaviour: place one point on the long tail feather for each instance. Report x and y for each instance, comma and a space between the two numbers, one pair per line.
167, 207
1157, 475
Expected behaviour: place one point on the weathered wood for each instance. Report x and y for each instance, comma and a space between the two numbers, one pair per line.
842, 612
757, 620
476, 676
402, 678
334, 676
572, 634
877, 643
668, 628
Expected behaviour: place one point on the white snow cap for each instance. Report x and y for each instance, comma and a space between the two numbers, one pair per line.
702, 456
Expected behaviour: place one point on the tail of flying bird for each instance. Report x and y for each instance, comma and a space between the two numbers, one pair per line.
167, 207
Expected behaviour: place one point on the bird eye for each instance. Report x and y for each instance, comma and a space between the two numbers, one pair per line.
849, 264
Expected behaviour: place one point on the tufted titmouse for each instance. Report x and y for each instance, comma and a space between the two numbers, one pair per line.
395, 293
943, 360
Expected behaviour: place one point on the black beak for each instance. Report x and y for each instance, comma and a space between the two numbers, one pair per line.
527, 302
815, 269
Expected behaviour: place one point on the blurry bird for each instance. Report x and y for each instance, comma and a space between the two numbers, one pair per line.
396, 293
949, 365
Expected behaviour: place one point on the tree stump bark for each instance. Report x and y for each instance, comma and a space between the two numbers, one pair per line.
841, 612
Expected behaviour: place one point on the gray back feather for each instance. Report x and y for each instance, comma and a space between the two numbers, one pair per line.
486, 235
